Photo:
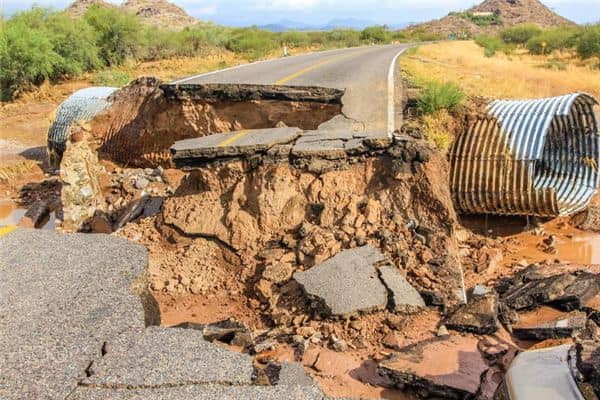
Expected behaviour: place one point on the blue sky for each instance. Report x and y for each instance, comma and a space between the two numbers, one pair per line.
250, 12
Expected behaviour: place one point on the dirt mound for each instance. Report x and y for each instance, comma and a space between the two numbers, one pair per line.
160, 13
492, 16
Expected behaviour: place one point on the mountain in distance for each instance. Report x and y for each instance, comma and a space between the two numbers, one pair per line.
338, 23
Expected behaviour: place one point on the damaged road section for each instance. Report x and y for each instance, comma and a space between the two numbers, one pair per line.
146, 117
77, 323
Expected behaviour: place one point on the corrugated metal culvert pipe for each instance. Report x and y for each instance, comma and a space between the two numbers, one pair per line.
529, 157
81, 106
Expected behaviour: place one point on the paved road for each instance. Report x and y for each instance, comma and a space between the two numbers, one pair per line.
366, 73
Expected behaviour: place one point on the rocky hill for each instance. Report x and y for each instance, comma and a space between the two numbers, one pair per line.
492, 16
159, 13
79, 7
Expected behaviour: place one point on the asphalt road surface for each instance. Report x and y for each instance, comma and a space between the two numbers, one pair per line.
368, 75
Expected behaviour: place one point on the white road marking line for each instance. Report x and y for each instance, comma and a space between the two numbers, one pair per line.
391, 95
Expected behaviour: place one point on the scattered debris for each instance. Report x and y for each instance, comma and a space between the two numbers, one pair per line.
347, 283
403, 295
479, 316
546, 323
456, 375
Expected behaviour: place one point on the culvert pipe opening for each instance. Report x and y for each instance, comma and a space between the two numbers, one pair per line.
528, 157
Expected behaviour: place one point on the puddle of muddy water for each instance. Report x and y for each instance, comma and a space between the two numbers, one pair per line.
12, 214
572, 245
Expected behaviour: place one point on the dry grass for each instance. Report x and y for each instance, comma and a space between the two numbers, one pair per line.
518, 76
437, 126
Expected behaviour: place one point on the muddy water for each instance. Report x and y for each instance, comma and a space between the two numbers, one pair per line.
12, 214
572, 245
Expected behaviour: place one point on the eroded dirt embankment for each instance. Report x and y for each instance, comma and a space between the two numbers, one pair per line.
147, 117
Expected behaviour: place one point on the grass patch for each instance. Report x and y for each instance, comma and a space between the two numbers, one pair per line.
437, 129
437, 96
111, 78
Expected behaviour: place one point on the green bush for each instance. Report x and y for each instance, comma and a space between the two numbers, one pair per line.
344, 37
438, 96
520, 34
119, 35
295, 39
555, 39
111, 78
376, 34
588, 42
27, 58
491, 44
252, 42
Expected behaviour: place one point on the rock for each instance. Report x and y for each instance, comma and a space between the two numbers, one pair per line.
152, 207
575, 296
100, 224
402, 293
588, 364
141, 183
279, 272
347, 283
432, 298
131, 212
392, 341
546, 323
338, 345
536, 292
489, 260
443, 331
265, 345
329, 363
479, 316
480, 290
455, 375
223, 331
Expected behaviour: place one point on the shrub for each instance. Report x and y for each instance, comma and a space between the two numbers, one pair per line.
111, 78
27, 58
344, 37
253, 42
437, 128
295, 39
119, 35
520, 34
588, 42
554, 64
376, 34
555, 39
491, 44
440, 96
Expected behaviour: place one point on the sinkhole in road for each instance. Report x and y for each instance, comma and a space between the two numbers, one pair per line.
147, 117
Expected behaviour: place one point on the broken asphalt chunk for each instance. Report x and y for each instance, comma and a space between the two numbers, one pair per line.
246, 142
348, 283
536, 292
479, 316
456, 375
547, 323
402, 294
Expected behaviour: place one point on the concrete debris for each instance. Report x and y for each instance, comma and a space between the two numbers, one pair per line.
403, 295
223, 331
546, 323
479, 316
456, 375
347, 283
480, 290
